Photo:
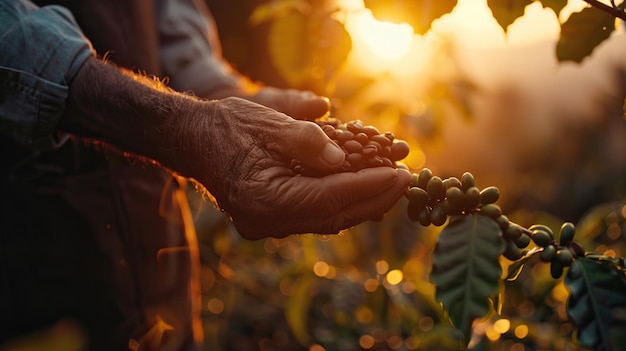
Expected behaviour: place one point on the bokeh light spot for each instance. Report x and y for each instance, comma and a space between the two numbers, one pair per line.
382, 267
317, 347
394, 277
366, 341
370, 285
521, 331
321, 268
502, 325
215, 306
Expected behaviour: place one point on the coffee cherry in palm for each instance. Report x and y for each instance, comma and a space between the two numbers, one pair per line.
363, 145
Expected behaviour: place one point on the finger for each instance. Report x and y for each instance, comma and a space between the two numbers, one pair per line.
322, 219
303, 105
307, 142
374, 207
331, 194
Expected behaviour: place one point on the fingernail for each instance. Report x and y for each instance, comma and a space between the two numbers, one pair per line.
332, 154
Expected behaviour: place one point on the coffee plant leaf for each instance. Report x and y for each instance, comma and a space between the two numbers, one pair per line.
582, 32
555, 5
418, 13
507, 11
515, 269
466, 269
297, 309
289, 53
597, 303
302, 43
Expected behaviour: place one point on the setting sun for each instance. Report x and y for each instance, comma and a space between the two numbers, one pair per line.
385, 39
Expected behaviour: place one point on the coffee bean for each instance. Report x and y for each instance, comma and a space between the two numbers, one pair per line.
364, 146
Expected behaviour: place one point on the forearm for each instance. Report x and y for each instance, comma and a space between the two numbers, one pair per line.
127, 111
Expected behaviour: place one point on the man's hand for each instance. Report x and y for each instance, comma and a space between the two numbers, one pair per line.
241, 152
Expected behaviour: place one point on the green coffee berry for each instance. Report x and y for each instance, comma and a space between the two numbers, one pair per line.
556, 269
503, 222
548, 253
435, 188
423, 216
489, 195
567, 233
472, 198
456, 198
417, 196
511, 252
423, 177
522, 241
514, 231
541, 237
412, 211
467, 181
491, 210
414, 180
438, 215
564, 257
452, 182
541, 227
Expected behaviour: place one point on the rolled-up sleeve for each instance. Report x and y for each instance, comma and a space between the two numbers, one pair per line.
190, 51
41, 50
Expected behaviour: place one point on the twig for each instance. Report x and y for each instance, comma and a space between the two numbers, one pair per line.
613, 11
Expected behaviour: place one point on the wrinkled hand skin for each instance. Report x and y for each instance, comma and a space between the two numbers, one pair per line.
240, 151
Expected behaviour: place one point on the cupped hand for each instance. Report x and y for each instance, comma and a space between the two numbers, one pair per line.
242, 152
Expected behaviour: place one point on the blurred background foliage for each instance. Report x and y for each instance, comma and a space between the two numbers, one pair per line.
467, 96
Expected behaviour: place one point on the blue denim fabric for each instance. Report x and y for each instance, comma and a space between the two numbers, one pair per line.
41, 49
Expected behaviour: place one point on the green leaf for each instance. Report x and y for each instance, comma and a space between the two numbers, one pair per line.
582, 32
597, 303
555, 5
507, 11
466, 269
300, 44
515, 269
288, 51
297, 309
418, 13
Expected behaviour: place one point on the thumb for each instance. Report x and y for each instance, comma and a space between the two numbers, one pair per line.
308, 143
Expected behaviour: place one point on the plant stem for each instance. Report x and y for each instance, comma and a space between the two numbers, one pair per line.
613, 11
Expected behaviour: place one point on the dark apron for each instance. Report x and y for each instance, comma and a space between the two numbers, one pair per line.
90, 238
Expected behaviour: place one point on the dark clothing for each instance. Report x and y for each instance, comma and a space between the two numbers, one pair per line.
87, 236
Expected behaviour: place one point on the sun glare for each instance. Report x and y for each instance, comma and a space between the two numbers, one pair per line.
389, 41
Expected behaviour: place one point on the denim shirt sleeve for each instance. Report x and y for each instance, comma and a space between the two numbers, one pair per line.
41, 49
190, 51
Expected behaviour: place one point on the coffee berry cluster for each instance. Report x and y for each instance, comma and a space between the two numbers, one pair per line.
559, 254
363, 145
432, 200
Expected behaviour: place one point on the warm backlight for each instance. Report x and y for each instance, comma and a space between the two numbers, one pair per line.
386, 40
